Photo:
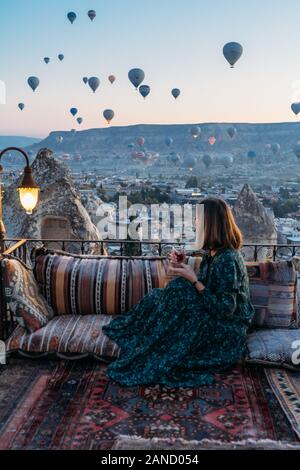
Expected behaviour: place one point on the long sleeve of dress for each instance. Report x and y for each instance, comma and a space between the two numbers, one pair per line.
221, 303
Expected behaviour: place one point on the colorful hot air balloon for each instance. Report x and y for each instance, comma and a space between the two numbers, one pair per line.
295, 108
94, 83
207, 160
71, 16
144, 90
168, 141
141, 141
212, 140
85, 80
136, 76
33, 82
46, 60
297, 149
195, 131
275, 148
59, 139
73, 111
175, 92
111, 78
231, 131
92, 15
21, 106
232, 51
108, 115
79, 120
61, 57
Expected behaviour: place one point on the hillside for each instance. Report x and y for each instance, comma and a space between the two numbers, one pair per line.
110, 141
16, 141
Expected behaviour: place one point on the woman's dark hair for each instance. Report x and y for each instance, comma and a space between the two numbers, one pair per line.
220, 229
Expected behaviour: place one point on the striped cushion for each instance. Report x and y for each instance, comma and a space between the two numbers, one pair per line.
86, 285
273, 289
64, 335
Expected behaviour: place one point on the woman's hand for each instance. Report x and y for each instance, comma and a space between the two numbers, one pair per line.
177, 257
183, 270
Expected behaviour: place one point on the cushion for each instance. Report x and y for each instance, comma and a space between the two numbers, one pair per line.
23, 296
273, 289
66, 335
274, 347
86, 285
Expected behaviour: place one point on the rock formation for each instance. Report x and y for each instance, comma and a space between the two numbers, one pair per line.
255, 223
59, 214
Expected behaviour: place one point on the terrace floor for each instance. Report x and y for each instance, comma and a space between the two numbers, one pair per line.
58, 404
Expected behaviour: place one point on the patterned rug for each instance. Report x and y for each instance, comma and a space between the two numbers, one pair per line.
72, 405
286, 386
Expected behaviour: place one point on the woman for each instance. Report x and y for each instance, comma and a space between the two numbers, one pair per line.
179, 336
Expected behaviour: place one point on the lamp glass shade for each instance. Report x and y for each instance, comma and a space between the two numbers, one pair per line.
28, 198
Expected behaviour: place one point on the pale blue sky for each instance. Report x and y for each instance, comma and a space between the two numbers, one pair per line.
178, 43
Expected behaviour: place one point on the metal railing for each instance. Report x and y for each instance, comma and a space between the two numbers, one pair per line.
252, 252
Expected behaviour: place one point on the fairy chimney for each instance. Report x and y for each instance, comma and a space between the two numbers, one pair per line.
59, 214
254, 221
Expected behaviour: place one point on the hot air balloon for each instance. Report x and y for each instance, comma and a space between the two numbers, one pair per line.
33, 82
71, 16
73, 131
168, 141
21, 106
207, 160
77, 157
46, 60
226, 160
111, 78
212, 140
232, 51
92, 15
189, 163
275, 148
231, 131
59, 139
297, 149
136, 76
94, 83
251, 154
175, 92
108, 115
195, 131
85, 80
296, 108
174, 157
268, 147
144, 90
131, 145
73, 111
141, 141
61, 57
79, 120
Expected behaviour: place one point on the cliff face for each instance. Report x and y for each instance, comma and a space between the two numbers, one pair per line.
255, 223
59, 213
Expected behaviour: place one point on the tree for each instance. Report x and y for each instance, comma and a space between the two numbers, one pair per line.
192, 182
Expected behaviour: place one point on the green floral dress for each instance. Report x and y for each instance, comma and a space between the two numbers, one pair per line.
179, 337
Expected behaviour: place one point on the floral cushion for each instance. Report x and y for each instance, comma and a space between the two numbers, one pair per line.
66, 335
23, 296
